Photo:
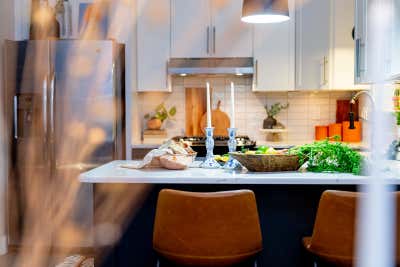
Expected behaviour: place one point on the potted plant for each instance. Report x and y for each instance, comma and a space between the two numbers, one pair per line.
156, 119
272, 111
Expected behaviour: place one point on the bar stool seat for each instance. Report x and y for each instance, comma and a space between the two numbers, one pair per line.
207, 229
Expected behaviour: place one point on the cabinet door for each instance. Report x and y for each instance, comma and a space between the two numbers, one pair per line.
395, 43
274, 54
312, 43
341, 65
230, 36
191, 32
153, 44
360, 37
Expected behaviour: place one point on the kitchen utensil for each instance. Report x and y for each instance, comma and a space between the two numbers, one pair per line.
195, 108
267, 163
321, 132
219, 120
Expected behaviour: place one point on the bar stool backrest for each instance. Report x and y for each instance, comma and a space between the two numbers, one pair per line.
334, 233
334, 228
207, 229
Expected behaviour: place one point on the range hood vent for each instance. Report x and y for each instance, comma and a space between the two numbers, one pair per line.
211, 66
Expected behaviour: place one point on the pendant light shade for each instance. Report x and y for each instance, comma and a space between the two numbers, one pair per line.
265, 11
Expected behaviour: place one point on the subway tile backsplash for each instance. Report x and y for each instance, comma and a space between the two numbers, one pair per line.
307, 108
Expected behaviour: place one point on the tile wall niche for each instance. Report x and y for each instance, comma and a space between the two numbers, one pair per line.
307, 108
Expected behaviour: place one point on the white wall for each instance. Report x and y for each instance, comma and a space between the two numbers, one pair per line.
307, 108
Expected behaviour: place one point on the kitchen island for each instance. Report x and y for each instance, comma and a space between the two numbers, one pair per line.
113, 173
287, 204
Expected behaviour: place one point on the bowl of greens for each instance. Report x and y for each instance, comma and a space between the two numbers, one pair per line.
326, 156
267, 159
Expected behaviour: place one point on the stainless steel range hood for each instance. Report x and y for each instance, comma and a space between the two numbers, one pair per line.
211, 66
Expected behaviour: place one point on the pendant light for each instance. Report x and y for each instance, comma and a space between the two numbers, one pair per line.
265, 11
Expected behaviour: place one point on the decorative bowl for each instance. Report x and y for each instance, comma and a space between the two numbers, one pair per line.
267, 162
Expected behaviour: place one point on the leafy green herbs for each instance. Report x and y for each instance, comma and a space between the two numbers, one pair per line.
161, 113
325, 156
275, 109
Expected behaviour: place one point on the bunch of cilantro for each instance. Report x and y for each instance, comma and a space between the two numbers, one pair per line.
325, 156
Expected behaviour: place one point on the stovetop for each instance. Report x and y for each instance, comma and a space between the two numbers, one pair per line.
242, 140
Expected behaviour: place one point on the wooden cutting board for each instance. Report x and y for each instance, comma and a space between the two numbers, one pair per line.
196, 106
219, 120
343, 109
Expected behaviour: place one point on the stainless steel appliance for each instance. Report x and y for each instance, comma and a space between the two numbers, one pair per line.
211, 66
198, 143
64, 102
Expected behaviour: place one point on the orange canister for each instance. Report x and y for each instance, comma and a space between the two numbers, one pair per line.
321, 132
335, 129
352, 135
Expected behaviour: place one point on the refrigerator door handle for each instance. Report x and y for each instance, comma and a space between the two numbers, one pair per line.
44, 107
44, 113
52, 85
15, 119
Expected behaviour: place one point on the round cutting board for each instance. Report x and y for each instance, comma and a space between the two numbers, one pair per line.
219, 120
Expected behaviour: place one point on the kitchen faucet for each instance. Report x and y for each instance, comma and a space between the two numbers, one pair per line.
353, 101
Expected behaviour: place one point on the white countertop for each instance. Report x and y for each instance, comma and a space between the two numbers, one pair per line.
113, 173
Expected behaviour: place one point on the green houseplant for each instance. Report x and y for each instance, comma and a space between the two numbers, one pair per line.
272, 111
156, 118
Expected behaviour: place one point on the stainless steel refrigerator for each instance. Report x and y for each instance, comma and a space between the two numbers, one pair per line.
64, 106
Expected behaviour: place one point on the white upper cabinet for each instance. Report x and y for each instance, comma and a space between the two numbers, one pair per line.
389, 38
274, 54
153, 45
395, 41
325, 46
209, 28
312, 43
341, 59
191, 29
361, 73
230, 36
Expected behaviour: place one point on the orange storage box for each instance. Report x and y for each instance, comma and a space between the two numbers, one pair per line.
335, 129
321, 132
352, 135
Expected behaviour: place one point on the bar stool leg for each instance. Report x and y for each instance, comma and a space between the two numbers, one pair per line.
315, 264
255, 263
158, 263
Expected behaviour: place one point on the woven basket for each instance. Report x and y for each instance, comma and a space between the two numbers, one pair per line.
267, 163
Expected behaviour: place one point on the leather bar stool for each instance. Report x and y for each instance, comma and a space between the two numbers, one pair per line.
333, 238
207, 229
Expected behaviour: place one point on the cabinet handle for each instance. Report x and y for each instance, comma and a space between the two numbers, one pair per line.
208, 40
358, 47
214, 39
325, 67
166, 75
15, 107
324, 80
256, 73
